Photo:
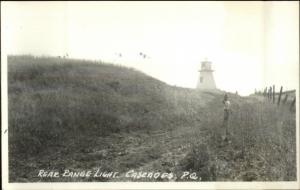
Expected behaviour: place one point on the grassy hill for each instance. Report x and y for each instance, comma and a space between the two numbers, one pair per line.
79, 115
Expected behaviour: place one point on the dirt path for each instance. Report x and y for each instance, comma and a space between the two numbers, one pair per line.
162, 151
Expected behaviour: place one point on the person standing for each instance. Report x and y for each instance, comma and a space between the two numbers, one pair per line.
226, 103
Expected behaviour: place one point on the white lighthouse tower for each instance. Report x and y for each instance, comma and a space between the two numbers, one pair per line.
206, 80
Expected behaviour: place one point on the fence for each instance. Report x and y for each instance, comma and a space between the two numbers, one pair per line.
283, 97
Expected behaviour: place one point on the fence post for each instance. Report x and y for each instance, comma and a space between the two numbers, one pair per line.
273, 94
293, 104
279, 97
285, 98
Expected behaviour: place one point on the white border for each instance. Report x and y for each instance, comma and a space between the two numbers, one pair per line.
120, 185
156, 185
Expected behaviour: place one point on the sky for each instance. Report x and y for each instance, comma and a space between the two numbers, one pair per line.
251, 44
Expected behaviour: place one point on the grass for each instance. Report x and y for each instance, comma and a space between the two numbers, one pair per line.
262, 146
79, 115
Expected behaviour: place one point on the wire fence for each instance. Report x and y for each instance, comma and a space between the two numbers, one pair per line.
281, 98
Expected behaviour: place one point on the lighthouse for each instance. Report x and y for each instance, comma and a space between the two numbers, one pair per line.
206, 80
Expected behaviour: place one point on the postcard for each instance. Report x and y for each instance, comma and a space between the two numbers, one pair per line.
150, 95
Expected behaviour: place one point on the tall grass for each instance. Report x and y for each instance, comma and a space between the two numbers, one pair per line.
262, 143
60, 104
75, 111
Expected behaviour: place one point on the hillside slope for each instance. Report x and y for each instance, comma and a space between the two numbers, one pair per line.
61, 103
83, 115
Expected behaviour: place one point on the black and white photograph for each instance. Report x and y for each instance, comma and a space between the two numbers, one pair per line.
150, 95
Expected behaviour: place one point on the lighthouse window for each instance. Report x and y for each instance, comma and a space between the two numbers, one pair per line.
201, 79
